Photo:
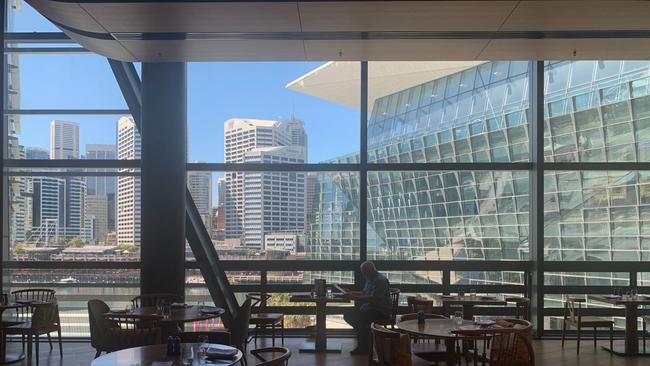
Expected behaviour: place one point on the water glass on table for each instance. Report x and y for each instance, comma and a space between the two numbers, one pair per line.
472, 292
188, 356
203, 346
458, 318
329, 292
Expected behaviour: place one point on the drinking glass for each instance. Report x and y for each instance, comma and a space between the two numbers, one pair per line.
472, 292
188, 356
634, 293
458, 317
200, 305
203, 346
329, 292
167, 311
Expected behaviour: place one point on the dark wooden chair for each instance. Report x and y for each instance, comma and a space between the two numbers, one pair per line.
417, 304
148, 300
38, 294
573, 316
394, 307
263, 320
127, 330
494, 346
44, 320
522, 306
392, 348
423, 347
280, 356
98, 326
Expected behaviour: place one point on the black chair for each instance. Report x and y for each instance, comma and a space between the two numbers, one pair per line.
280, 356
394, 306
239, 328
263, 320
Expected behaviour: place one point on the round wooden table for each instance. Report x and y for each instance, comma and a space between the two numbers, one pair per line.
440, 329
182, 314
158, 352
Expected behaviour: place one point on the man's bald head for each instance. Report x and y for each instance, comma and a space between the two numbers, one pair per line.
368, 269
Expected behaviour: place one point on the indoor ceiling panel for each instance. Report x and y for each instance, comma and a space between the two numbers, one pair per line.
579, 15
196, 16
69, 14
378, 16
563, 49
216, 50
395, 49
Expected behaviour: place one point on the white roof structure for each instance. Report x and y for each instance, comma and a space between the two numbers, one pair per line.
338, 81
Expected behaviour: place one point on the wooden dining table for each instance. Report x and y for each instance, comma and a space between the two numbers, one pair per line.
468, 302
321, 344
146, 355
177, 316
631, 304
442, 329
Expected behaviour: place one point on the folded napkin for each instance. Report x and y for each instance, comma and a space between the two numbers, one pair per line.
220, 353
210, 310
162, 363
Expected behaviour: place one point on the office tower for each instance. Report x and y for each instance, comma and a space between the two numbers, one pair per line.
64, 140
128, 187
200, 186
596, 111
48, 211
103, 185
274, 202
256, 141
97, 211
221, 191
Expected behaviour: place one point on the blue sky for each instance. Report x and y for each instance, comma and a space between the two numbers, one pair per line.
216, 92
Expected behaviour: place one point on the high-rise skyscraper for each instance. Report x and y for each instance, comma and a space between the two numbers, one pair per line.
97, 211
200, 185
252, 199
128, 187
64, 140
102, 186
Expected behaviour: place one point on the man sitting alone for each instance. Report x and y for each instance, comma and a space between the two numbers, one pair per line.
374, 303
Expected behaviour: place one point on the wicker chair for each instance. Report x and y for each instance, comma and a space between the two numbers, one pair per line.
99, 338
148, 300
573, 316
522, 306
44, 320
394, 307
263, 320
392, 348
128, 330
495, 346
416, 304
281, 356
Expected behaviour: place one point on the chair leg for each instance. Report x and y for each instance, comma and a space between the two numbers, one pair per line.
282, 330
643, 334
579, 331
563, 332
243, 359
60, 342
611, 338
29, 346
595, 336
273, 334
98, 353
37, 341
49, 340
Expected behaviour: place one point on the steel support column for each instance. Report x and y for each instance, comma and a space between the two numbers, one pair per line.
163, 179
536, 192
4, 192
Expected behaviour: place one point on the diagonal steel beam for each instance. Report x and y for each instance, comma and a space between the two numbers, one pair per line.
196, 233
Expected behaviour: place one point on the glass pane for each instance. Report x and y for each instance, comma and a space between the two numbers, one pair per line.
74, 287
74, 218
93, 137
23, 18
478, 215
280, 215
589, 120
438, 131
275, 112
63, 81
597, 216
